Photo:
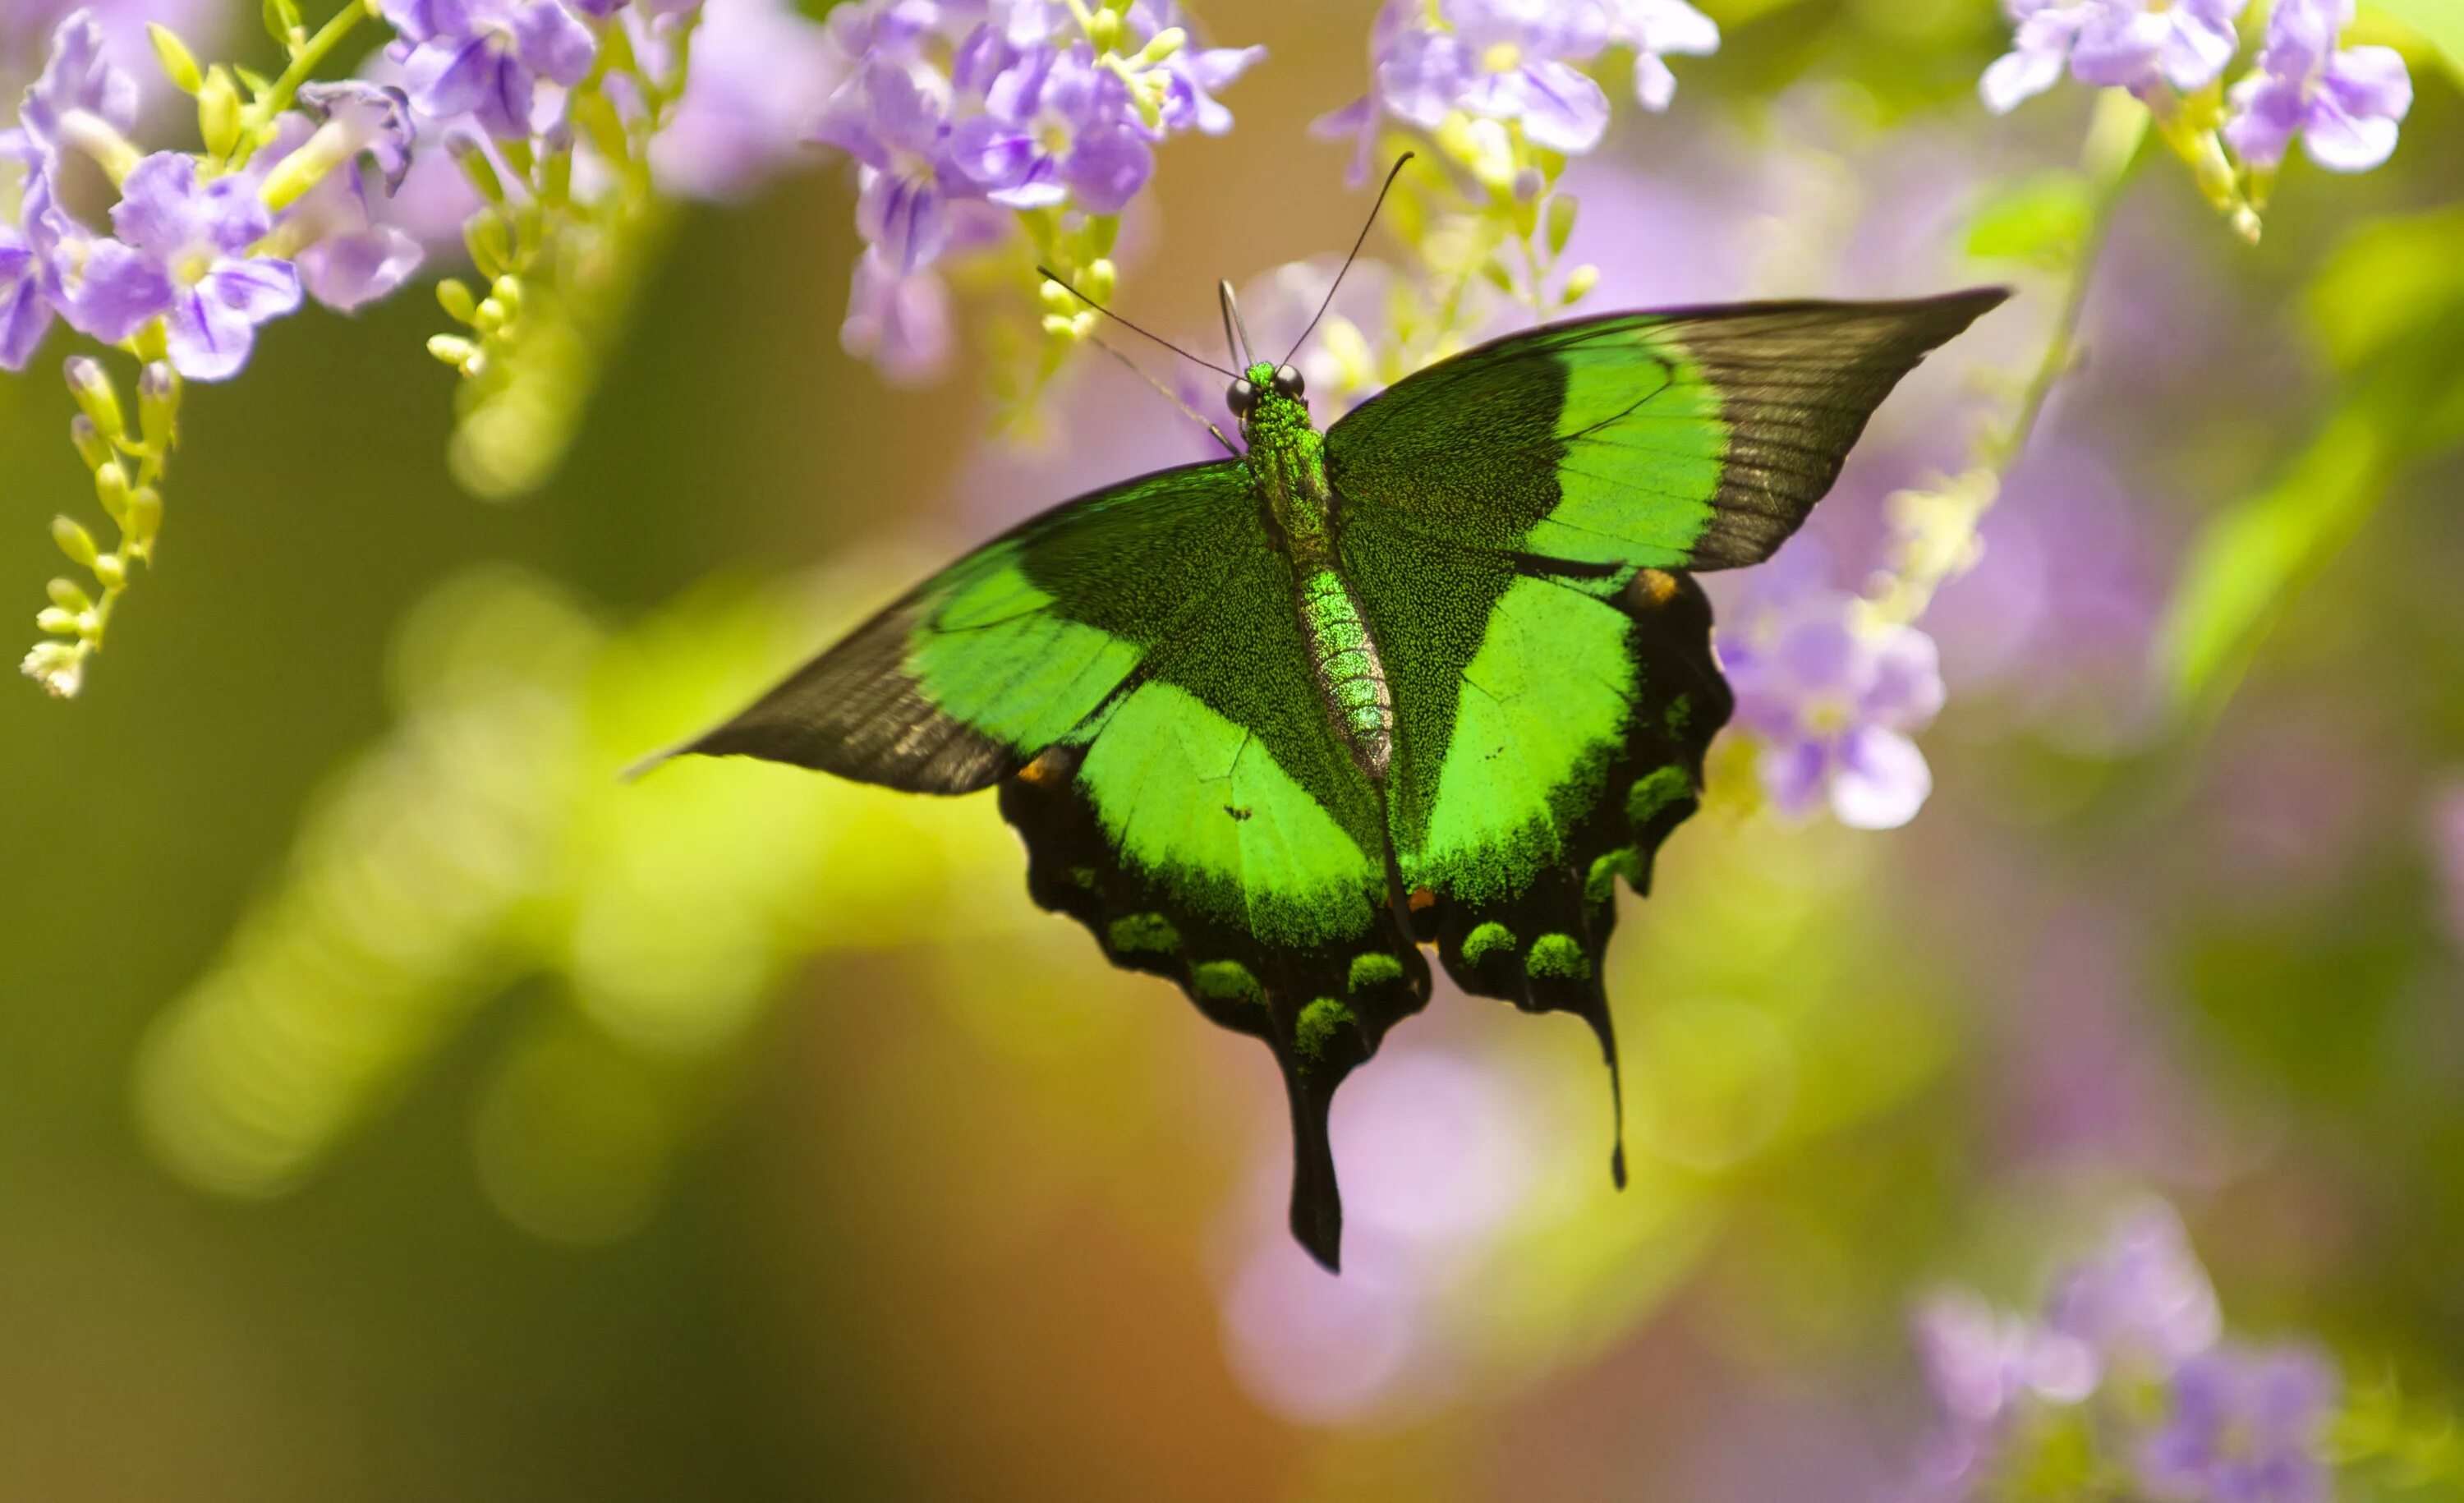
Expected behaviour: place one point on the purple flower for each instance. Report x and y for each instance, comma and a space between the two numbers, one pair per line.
894, 120
1655, 29
756, 66
346, 257
2345, 104
2245, 1427
26, 27
1832, 697
1980, 1362
1501, 59
1359, 122
900, 323
2110, 43
2142, 1303
365, 116
1193, 74
79, 80
1056, 129
484, 57
182, 256
25, 313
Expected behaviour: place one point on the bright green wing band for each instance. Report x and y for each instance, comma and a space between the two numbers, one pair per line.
1008, 651
1682, 439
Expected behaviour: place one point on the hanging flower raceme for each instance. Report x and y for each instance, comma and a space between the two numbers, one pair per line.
2345, 103
963, 119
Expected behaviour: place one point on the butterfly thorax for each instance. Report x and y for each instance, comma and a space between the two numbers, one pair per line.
1287, 464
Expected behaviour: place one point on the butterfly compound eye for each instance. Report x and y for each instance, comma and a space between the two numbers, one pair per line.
1287, 381
1241, 397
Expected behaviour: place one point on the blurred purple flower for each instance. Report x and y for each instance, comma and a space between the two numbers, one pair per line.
78, 79
25, 313
26, 27
483, 59
1501, 59
182, 256
2344, 104
2446, 835
2142, 1303
1194, 73
2245, 1427
1656, 29
900, 323
1979, 1362
1056, 129
758, 66
1436, 1157
1833, 698
2126, 44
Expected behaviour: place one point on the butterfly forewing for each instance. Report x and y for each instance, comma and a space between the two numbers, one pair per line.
1684, 439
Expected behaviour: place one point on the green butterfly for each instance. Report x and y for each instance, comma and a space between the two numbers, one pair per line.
1434, 680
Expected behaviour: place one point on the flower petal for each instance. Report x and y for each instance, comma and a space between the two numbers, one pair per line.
1881, 780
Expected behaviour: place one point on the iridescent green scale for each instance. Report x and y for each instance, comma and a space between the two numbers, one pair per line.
1279, 728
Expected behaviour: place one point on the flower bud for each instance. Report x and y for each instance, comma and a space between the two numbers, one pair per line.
109, 569
158, 406
144, 518
453, 295
51, 618
452, 349
1580, 281
179, 64
93, 391
472, 158
66, 595
73, 541
91, 445
218, 116
111, 488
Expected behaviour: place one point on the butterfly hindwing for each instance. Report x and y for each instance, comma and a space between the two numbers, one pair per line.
1002, 653
1211, 827
1682, 439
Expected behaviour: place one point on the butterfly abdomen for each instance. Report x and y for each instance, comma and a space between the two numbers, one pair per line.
1349, 672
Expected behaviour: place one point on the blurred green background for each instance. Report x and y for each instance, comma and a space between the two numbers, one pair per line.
393, 1105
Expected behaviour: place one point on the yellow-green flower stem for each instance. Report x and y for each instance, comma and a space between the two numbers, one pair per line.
557, 274
1935, 528
127, 467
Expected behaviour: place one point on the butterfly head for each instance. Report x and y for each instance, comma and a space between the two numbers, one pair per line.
1268, 396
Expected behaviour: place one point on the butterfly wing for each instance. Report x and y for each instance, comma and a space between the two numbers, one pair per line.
1000, 656
1516, 520
1212, 826
1695, 439
1129, 669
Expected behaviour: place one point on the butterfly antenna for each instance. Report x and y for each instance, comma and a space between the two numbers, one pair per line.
1235, 325
1391, 173
1054, 277
1171, 396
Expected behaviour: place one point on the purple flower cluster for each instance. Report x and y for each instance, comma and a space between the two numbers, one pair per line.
2345, 103
212, 258
2237, 1426
1831, 696
483, 60
953, 110
1517, 61
2126, 44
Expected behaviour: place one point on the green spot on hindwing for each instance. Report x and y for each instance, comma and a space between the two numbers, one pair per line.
1485, 940
1148, 933
1319, 1024
1557, 955
1225, 981
1652, 796
1599, 885
1374, 969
